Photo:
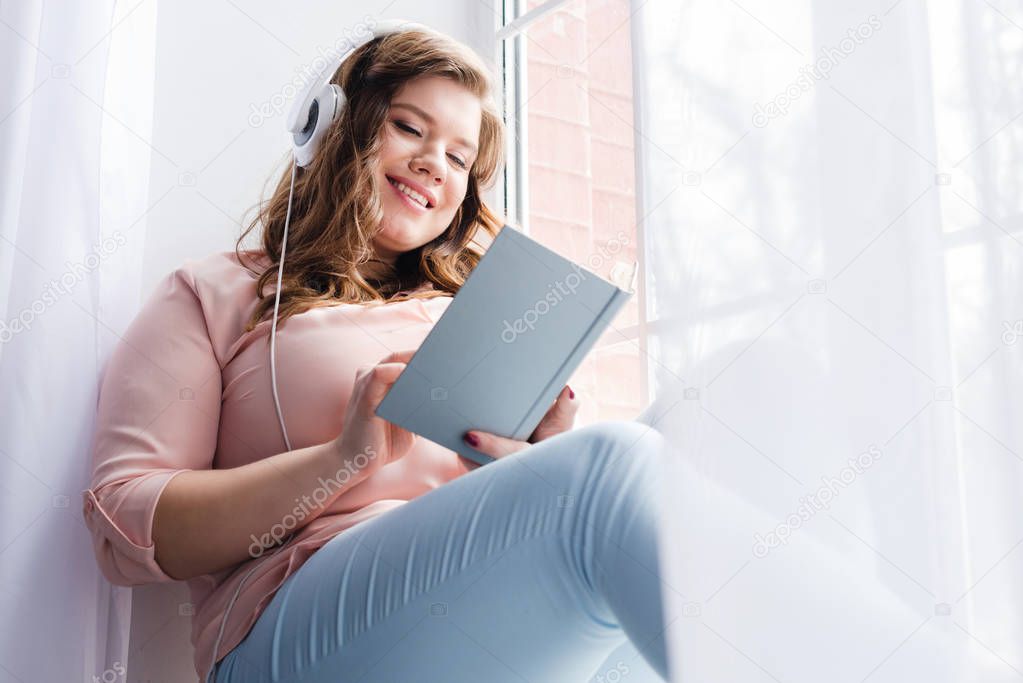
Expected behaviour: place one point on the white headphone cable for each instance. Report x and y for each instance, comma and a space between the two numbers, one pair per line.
277, 303
230, 604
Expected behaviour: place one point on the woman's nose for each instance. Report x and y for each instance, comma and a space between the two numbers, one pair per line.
429, 163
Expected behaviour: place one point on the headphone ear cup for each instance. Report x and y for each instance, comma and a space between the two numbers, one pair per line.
324, 110
339, 102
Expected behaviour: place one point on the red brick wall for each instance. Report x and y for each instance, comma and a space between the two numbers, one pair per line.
581, 180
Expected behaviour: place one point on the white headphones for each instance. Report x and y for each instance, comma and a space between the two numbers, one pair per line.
321, 102
315, 110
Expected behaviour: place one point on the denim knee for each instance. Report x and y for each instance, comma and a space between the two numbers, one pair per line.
612, 454
634, 441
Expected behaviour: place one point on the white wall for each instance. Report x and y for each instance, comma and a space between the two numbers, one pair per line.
214, 64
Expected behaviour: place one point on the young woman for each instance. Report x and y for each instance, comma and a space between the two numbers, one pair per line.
402, 561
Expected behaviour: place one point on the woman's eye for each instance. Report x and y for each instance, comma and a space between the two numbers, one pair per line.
415, 132
407, 129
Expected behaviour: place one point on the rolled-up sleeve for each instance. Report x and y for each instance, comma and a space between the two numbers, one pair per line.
157, 415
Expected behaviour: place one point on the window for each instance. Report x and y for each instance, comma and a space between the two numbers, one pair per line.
570, 178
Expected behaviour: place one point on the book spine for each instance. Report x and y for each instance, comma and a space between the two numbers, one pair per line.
539, 408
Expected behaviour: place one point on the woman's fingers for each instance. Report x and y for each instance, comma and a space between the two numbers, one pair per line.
560, 417
565, 406
381, 379
399, 356
372, 382
493, 445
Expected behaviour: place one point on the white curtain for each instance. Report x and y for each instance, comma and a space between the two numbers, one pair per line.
75, 118
835, 243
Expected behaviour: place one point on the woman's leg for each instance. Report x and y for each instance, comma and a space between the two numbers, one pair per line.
531, 568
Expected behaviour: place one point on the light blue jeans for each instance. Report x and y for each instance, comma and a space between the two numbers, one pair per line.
531, 568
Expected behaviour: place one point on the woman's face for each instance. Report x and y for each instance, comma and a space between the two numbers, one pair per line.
429, 143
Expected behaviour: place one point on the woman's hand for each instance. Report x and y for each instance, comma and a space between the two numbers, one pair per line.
560, 418
364, 432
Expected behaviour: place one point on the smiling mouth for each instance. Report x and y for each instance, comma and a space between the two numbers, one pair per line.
414, 200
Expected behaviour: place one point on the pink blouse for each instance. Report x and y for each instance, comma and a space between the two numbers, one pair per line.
188, 389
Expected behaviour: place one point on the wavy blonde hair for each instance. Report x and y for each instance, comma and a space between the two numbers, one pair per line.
336, 208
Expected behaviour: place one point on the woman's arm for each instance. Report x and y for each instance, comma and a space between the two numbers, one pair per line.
209, 520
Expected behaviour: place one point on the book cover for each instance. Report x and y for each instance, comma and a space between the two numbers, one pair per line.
505, 346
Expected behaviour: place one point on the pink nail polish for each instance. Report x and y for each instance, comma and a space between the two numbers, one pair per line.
571, 394
472, 439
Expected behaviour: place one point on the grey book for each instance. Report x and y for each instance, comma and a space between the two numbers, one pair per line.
495, 361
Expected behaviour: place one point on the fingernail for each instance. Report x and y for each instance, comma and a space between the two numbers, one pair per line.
571, 394
471, 439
